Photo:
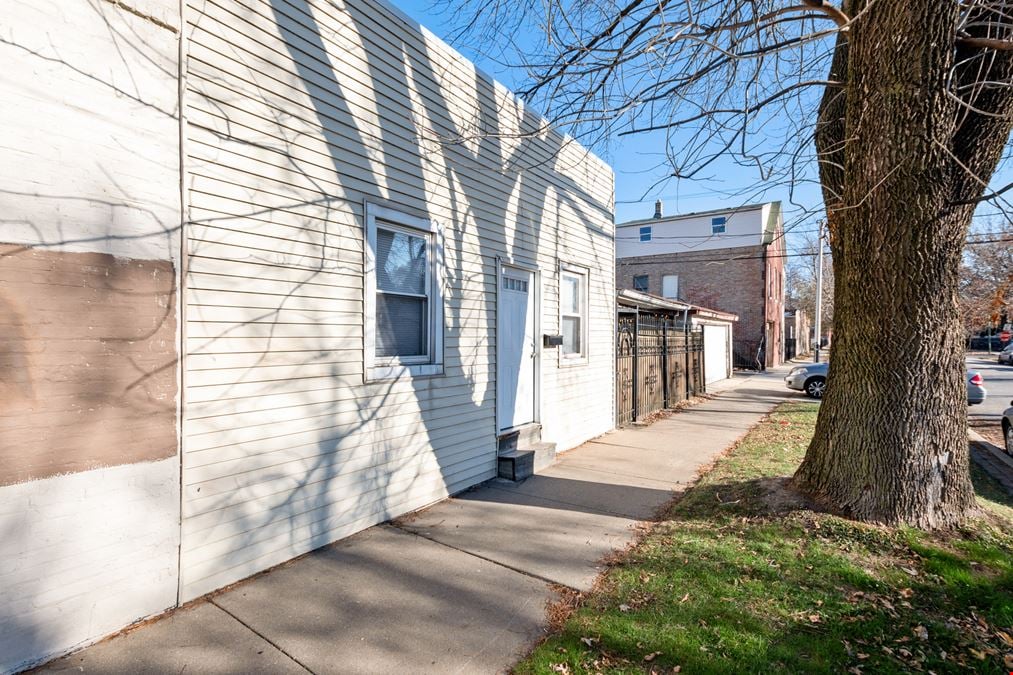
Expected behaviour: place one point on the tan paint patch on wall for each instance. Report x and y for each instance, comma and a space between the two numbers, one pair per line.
87, 362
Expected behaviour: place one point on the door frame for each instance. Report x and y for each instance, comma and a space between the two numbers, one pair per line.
536, 282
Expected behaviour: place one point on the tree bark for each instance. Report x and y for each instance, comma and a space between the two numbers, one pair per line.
897, 153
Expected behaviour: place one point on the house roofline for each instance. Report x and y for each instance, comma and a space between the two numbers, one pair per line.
543, 121
696, 214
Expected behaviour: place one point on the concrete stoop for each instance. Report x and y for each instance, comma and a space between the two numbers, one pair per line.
523, 454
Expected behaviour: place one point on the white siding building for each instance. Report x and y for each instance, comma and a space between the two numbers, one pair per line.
358, 243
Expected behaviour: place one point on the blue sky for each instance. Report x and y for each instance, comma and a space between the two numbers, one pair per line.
635, 159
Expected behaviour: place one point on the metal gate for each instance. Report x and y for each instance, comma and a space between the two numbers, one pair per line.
658, 363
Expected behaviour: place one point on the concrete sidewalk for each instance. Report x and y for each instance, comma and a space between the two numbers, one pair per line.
459, 587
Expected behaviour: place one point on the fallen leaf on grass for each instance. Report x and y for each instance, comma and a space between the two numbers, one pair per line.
589, 641
560, 668
922, 633
906, 592
651, 656
624, 608
910, 571
814, 618
684, 598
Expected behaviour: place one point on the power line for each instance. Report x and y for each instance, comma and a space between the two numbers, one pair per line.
675, 237
630, 261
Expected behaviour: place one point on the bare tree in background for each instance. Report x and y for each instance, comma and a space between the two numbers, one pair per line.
986, 281
901, 109
801, 272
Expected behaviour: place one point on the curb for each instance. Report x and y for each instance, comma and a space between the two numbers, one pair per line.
992, 460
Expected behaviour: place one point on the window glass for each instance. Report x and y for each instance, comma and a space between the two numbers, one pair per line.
718, 225
570, 301
571, 335
640, 283
670, 286
400, 262
645, 233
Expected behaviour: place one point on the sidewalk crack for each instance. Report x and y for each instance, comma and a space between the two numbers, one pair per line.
532, 575
262, 637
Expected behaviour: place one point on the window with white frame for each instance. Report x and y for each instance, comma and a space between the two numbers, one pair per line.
670, 286
403, 303
645, 233
573, 312
718, 225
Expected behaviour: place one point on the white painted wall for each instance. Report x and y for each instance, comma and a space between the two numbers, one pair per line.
692, 233
90, 128
84, 554
91, 157
298, 112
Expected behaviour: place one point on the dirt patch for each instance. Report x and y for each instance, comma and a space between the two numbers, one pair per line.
778, 495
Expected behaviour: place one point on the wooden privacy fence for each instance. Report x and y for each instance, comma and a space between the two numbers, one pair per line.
658, 363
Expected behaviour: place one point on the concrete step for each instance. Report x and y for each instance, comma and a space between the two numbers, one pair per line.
522, 437
545, 455
516, 465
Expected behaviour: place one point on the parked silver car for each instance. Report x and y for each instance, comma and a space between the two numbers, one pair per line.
1006, 355
1007, 429
812, 379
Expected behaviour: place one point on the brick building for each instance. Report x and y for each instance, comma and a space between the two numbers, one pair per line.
729, 259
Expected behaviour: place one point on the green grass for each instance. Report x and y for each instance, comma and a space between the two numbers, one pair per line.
741, 578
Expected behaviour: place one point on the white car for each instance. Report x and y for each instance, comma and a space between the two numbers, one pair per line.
812, 379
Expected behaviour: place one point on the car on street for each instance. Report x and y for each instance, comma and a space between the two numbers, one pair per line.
1006, 355
1007, 429
812, 379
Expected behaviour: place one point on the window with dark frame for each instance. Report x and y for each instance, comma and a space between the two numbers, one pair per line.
718, 225
640, 283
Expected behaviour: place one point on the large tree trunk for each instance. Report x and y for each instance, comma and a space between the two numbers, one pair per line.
891, 438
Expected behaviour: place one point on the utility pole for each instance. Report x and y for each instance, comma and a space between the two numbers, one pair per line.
819, 296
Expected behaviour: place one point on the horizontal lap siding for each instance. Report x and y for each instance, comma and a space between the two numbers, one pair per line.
285, 447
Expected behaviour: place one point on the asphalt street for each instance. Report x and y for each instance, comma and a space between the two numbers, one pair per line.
998, 382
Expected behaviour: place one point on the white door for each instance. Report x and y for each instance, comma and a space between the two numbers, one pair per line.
715, 353
515, 348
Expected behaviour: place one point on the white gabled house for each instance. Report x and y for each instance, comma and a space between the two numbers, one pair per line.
279, 270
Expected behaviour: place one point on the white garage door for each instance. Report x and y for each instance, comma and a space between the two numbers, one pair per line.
715, 354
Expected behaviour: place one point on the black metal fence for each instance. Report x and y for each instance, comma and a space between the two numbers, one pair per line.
658, 364
747, 354
790, 348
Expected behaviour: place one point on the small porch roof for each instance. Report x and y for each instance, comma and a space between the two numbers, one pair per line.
640, 300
